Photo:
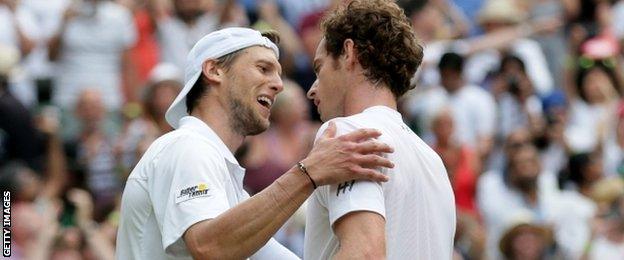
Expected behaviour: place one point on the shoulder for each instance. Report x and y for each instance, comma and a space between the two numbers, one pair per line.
187, 145
343, 125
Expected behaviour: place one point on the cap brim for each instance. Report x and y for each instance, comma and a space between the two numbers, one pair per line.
178, 109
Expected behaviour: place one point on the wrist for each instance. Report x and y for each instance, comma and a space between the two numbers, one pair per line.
312, 171
304, 170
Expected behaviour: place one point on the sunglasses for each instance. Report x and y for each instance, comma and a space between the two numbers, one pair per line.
587, 63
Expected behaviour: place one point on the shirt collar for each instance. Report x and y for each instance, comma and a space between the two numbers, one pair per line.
384, 109
196, 125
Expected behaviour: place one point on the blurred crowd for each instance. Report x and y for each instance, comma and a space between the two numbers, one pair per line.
522, 100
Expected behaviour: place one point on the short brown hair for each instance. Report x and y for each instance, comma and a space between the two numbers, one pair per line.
384, 40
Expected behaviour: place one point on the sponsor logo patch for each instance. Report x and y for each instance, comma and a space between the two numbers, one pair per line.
199, 190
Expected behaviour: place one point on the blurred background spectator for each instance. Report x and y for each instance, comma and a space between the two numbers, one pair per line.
522, 100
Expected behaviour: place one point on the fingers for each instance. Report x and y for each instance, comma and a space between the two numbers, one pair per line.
373, 161
330, 132
372, 146
361, 134
369, 174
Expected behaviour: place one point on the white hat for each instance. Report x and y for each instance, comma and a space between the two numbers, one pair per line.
9, 58
165, 72
506, 11
213, 46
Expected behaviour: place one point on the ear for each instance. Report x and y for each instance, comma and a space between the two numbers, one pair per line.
212, 72
350, 53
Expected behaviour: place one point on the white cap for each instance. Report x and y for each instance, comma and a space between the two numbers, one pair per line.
165, 72
213, 46
9, 58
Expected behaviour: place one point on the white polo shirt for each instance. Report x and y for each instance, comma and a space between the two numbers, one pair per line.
417, 203
186, 176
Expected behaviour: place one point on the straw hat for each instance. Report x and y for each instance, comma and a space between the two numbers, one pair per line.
500, 11
518, 224
607, 190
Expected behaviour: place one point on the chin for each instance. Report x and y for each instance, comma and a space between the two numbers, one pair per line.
262, 124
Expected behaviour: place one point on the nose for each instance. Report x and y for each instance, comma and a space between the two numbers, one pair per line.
312, 92
278, 86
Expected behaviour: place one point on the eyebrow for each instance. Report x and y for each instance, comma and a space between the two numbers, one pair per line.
272, 64
316, 65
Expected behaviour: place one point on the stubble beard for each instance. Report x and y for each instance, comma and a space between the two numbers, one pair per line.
243, 119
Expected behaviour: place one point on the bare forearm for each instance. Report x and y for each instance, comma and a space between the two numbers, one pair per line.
54, 46
57, 168
244, 229
102, 248
25, 43
129, 77
55, 43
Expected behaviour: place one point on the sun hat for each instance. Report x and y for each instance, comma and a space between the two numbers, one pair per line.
520, 222
505, 11
212, 46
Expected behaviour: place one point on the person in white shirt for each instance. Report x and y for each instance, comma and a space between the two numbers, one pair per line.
185, 197
474, 109
522, 187
188, 22
363, 64
19, 30
91, 49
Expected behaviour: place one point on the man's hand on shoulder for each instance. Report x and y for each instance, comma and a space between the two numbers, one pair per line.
353, 156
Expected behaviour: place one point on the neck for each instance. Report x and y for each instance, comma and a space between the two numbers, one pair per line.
531, 196
211, 112
365, 94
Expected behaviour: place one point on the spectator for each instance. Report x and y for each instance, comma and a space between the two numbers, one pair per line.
498, 15
19, 30
518, 106
92, 153
614, 146
576, 207
593, 99
608, 227
47, 16
92, 51
473, 108
523, 187
19, 139
163, 86
461, 163
524, 240
191, 20
551, 142
35, 195
145, 53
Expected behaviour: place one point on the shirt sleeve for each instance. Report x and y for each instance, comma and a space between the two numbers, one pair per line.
351, 196
273, 250
189, 189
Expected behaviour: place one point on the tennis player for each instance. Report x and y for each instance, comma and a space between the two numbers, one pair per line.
364, 64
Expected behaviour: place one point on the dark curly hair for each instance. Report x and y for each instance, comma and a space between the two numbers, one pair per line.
383, 38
